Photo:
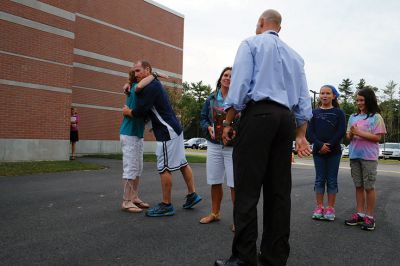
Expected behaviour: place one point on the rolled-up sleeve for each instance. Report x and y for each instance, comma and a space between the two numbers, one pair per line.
242, 74
303, 111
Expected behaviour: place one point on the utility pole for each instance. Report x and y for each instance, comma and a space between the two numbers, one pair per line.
314, 92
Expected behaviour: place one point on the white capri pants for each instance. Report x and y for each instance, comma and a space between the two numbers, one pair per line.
132, 156
219, 164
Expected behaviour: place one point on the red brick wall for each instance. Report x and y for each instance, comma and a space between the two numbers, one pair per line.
36, 15
33, 114
35, 43
137, 16
91, 36
40, 114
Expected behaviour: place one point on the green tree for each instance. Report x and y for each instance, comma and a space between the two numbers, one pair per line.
390, 112
345, 89
360, 84
390, 116
390, 90
175, 98
193, 97
348, 108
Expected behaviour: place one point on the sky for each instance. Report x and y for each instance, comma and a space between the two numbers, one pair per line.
337, 39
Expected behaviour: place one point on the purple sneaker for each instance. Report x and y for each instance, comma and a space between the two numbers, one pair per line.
354, 220
318, 213
329, 214
368, 224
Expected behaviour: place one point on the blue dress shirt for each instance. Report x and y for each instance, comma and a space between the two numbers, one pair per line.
267, 68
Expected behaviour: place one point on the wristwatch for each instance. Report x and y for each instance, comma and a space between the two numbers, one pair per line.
155, 75
226, 123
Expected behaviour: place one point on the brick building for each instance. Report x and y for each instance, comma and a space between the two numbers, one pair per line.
56, 54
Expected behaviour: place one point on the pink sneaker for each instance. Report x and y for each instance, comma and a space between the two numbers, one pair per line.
369, 224
329, 214
318, 213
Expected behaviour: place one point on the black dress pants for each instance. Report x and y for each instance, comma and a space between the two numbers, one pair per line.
262, 159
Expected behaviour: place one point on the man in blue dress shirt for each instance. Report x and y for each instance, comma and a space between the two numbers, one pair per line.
269, 88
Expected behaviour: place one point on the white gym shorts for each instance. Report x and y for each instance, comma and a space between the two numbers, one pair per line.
171, 154
132, 156
219, 164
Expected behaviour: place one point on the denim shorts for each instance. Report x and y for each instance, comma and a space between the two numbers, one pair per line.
364, 173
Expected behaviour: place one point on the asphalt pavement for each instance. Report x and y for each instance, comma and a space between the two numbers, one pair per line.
74, 218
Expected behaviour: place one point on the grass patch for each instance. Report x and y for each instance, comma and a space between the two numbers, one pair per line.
29, 168
149, 157
117, 156
196, 158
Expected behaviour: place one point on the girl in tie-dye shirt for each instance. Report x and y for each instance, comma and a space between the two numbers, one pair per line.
365, 129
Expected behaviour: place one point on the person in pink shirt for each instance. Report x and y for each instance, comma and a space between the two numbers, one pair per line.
364, 130
74, 136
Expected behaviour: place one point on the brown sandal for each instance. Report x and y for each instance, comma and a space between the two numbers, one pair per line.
142, 205
130, 207
212, 217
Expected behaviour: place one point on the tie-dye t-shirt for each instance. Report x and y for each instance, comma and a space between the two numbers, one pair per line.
359, 147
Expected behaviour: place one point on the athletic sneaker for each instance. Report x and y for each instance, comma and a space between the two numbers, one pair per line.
354, 220
329, 214
161, 209
191, 200
318, 213
368, 224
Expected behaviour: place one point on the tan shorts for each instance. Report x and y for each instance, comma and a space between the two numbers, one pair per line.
364, 173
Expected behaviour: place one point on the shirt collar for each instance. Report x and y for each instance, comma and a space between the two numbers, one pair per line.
272, 32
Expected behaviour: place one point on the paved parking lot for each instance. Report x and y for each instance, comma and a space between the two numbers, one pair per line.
74, 219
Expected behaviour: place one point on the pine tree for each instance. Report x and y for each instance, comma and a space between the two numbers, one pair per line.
345, 89
360, 84
390, 90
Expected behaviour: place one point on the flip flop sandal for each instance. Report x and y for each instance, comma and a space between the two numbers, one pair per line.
212, 217
142, 205
130, 207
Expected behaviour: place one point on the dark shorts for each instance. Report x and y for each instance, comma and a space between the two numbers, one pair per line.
73, 136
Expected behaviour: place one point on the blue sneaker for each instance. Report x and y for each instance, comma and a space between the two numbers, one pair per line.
191, 200
161, 209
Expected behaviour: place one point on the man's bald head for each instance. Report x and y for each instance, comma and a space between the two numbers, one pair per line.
269, 20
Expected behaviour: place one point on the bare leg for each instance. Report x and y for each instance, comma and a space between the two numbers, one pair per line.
129, 192
360, 199
331, 200
73, 149
233, 195
166, 186
216, 198
371, 198
319, 197
188, 177
135, 187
